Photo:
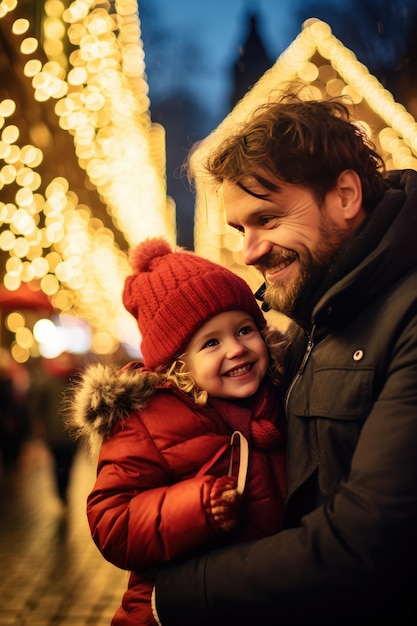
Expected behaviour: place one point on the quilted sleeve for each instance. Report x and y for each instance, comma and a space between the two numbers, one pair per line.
138, 515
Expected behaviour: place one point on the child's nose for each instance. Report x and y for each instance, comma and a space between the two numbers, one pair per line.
235, 348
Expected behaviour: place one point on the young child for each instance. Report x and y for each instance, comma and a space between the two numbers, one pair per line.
168, 467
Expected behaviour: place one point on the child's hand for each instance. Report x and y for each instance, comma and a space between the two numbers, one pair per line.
225, 503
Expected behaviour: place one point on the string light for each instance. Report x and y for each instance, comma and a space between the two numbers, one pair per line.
101, 100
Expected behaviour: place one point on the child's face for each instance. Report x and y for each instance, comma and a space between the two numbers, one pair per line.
227, 357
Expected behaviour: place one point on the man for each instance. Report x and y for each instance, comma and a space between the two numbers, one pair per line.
336, 241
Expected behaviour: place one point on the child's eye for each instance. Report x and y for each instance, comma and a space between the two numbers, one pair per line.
210, 343
245, 330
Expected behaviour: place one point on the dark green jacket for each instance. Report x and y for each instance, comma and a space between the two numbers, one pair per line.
348, 554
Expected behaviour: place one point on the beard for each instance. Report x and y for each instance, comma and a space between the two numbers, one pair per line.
286, 296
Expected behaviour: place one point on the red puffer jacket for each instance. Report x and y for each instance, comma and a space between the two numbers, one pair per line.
151, 500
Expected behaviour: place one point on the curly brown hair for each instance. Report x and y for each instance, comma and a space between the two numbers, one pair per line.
302, 142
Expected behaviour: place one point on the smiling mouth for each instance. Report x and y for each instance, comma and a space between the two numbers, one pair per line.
273, 264
239, 371
281, 266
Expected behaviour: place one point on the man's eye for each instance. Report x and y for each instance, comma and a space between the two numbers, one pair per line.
265, 220
239, 229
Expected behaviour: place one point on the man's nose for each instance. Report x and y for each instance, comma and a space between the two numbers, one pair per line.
255, 246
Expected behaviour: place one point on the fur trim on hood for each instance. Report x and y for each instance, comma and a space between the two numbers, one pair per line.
103, 396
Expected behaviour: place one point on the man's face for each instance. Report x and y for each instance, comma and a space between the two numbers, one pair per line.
288, 237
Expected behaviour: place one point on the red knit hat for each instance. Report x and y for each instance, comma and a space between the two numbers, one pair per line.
173, 293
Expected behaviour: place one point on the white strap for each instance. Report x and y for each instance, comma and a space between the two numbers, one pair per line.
153, 607
237, 439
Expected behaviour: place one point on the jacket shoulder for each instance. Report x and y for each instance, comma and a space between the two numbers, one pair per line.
102, 396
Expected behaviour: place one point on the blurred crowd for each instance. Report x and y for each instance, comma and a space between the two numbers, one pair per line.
31, 398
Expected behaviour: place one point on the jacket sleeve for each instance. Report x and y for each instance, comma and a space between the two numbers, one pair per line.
137, 517
349, 560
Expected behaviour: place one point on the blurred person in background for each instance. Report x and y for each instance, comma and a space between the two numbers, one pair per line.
50, 379
14, 417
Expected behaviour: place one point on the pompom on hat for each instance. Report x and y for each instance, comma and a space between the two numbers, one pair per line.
172, 293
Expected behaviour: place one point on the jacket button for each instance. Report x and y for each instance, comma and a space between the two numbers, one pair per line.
358, 355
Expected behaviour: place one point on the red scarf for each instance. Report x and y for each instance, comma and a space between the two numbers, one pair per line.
255, 417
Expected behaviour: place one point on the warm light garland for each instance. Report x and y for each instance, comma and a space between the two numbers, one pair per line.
102, 101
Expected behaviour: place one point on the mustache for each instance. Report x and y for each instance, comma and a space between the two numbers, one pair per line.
274, 259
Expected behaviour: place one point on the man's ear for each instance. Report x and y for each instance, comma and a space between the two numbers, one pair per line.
350, 190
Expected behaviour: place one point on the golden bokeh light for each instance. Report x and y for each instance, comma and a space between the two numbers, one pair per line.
101, 99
